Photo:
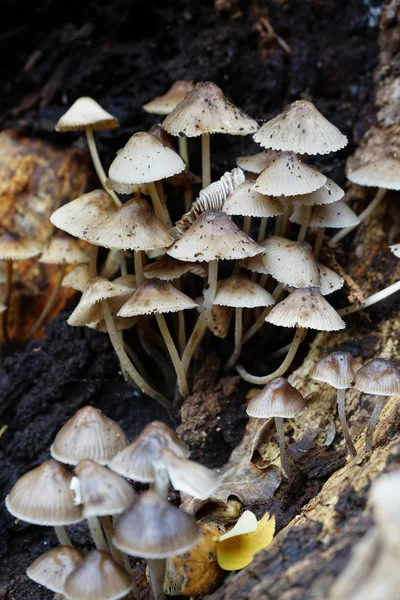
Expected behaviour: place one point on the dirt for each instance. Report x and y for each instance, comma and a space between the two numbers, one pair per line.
123, 54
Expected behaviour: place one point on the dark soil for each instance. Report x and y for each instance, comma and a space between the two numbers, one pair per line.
123, 53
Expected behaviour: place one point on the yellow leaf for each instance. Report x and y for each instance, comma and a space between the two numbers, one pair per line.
236, 552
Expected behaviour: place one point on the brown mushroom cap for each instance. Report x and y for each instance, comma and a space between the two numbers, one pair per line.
52, 568
163, 105
86, 112
100, 491
247, 202
383, 173
137, 460
287, 175
214, 236
133, 227
239, 291
154, 296
277, 399
327, 194
303, 129
63, 250
153, 528
98, 577
14, 246
168, 268
206, 110
338, 369
291, 263
379, 377
255, 163
88, 434
188, 476
306, 308
43, 496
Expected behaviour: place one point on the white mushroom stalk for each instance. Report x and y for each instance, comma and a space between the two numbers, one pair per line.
371, 300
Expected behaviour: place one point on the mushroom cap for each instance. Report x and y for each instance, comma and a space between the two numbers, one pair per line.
188, 476
218, 319
288, 175
101, 492
52, 568
330, 281
255, 163
144, 159
98, 577
291, 263
336, 215
155, 296
239, 291
168, 268
338, 369
88, 434
136, 461
78, 278
206, 110
63, 250
153, 528
133, 227
256, 263
301, 128
395, 248
97, 289
163, 105
277, 399
328, 193
379, 377
306, 307
43, 496
14, 246
83, 212
383, 173
249, 203
86, 112
214, 236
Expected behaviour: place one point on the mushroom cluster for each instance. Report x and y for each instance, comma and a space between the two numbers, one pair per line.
89, 478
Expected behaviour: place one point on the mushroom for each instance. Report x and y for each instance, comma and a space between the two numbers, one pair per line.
98, 576
156, 530
202, 112
255, 163
86, 114
188, 476
278, 400
290, 263
88, 434
43, 497
303, 309
52, 568
383, 174
158, 297
339, 370
77, 278
381, 378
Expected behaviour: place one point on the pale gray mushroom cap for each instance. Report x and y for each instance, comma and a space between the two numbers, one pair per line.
52, 568
336, 215
255, 163
291, 263
338, 369
379, 377
163, 105
239, 291
247, 202
383, 173
15, 246
63, 250
155, 296
277, 399
86, 112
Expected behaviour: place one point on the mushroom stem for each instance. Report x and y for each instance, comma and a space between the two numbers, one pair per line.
98, 166
122, 262
209, 292
247, 225
161, 481
261, 319
283, 223
176, 361
304, 224
262, 229
183, 151
137, 257
380, 403
298, 338
285, 462
157, 576
49, 304
109, 532
97, 534
238, 338
318, 242
194, 340
159, 209
62, 535
362, 216
126, 364
263, 280
181, 324
9, 286
205, 159
93, 261
377, 297
343, 421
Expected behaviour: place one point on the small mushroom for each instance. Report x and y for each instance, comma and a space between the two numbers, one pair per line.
381, 378
188, 476
339, 370
52, 568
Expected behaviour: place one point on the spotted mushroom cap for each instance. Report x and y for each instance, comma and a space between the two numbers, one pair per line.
52, 568
336, 215
328, 193
330, 281
239, 291
379, 377
15, 246
338, 369
155, 296
163, 105
63, 250
383, 173
247, 202
86, 112
255, 163
277, 399
206, 110
291, 263
301, 128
